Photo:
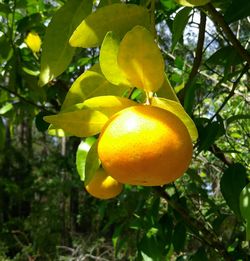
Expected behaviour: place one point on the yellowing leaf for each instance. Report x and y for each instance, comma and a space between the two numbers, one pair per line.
140, 59
81, 123
108, 61
53, 131
57, 53
179, 111
192, 2
109, 105
33, 41
166, 91
90, 84
118, 18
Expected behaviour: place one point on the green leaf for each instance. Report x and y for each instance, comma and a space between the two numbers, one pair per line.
232, 183
81, 123
90, 84
140, 59
237, 117
41, 125
225, 56
245, 208
179, 24
239, 9
57, 53
7, 107
81, 155
179, 111
118, 18
108, 61
5, 47
92, 163
166, 91
209, 134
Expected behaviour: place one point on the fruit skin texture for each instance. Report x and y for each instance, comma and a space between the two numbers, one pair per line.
103, 186
145, 145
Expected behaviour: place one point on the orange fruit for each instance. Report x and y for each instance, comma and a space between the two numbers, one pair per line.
103, 186
145, 145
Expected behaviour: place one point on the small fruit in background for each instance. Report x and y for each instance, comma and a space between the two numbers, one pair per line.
103, 186
145, 145
192, 2
33, 41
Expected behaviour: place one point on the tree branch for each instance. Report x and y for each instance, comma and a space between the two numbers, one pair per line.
25, 100
208, 237
198, 53
219, 19
231, 93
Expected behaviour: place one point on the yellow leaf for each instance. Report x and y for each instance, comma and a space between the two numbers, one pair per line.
33, 41
109, 105
118, 18
53, 131
179, 111
108, 61
90, 84
167, 91
140, 59
81, 123
192, 2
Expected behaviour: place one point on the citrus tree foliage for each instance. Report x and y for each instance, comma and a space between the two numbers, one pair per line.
66, 68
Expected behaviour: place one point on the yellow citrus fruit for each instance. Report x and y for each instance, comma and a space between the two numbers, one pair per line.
33, 41
103, 186
145, 145
192, 2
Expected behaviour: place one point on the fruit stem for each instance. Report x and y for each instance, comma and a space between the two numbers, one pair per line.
149, 96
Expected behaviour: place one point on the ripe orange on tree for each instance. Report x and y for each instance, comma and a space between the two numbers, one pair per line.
145, 145
103, 186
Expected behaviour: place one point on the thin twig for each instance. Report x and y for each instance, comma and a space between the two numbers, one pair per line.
207, 236
26, 100
219, 20
231, 93
198, 54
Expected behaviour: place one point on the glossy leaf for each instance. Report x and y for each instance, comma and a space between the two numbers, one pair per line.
108, 61
92, 163
108, 105
178, 110
192, 2
81, 123
57, 53
118, 18
140, 59
81, 155
179, 24
232, 183
90, 84
245, 208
